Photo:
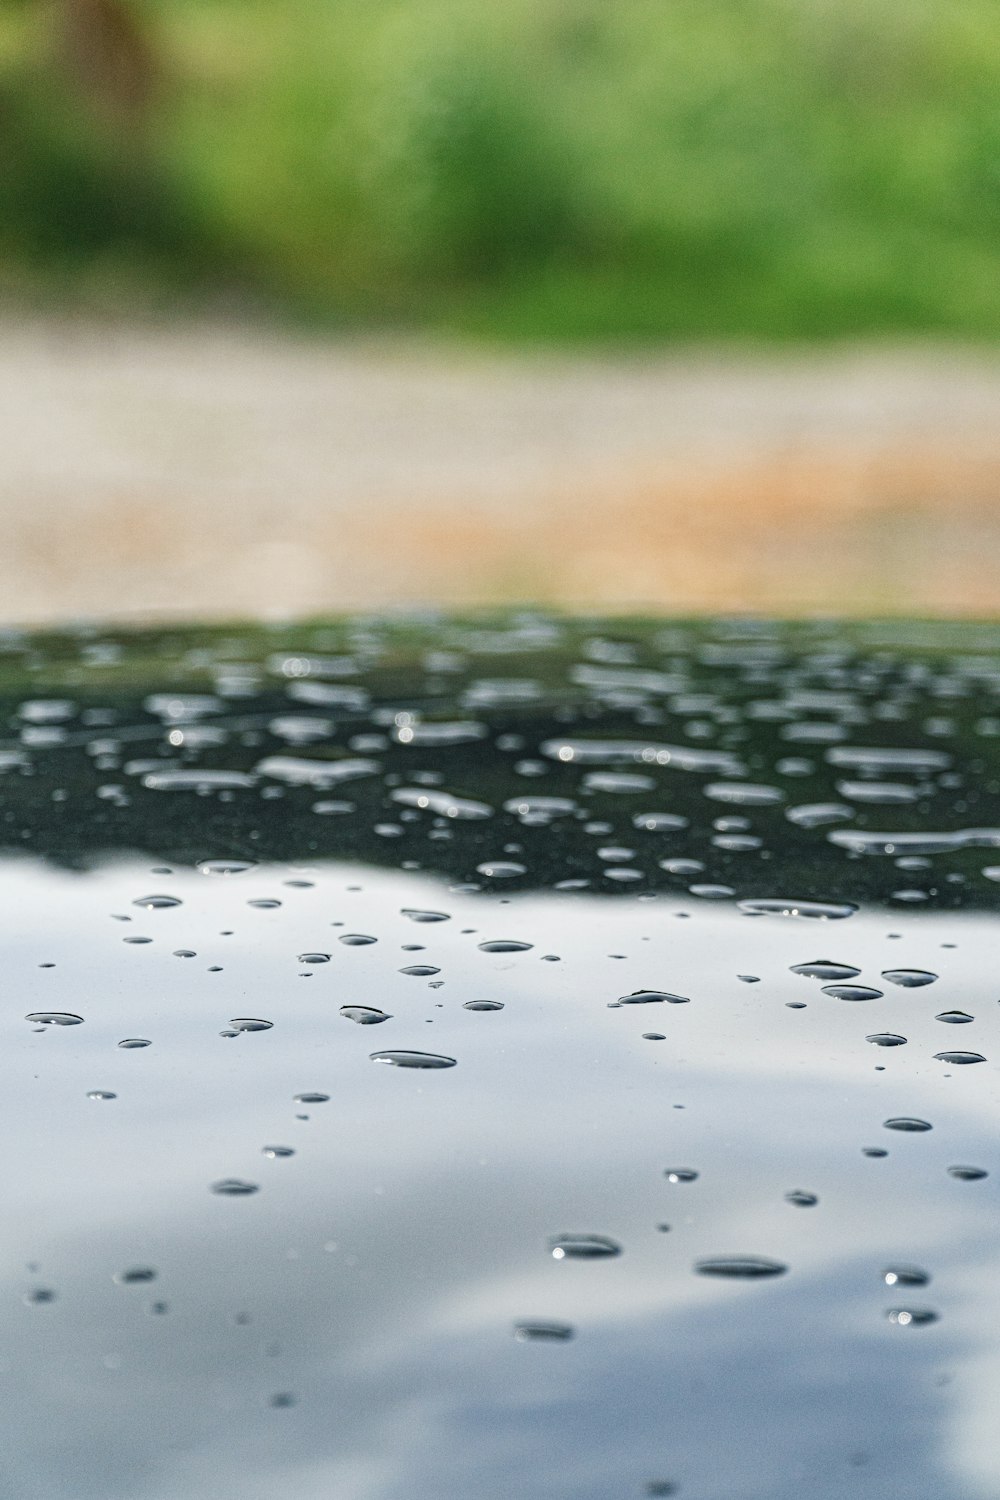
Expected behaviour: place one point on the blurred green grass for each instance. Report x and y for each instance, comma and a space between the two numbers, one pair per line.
542, 169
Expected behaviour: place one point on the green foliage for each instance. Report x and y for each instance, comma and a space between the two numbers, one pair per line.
565, 168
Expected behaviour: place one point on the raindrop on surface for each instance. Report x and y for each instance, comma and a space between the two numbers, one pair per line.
907, 1123
824, 911
912, 1317
801, 1199
954, 1017
740, 1267
653, 997
583, 1247
873, 1151
137, 940
968, 1174
101, 1094
132, 1042
355, 940
364, 1015
273, 1152
157, 903
905, 1276
959, 1059
483, 1005
910, 979
413, 1059
886, 1039
416, 915
234, 1187
134, 1275
225, 866
680, 1174
39, 1296
54, 1018
420, 971
851, 992
314, 958
551, 1333
250, 1023
501, 869
504, 945
743, 793
825, 968
310, 1098
660, 1487
265, 903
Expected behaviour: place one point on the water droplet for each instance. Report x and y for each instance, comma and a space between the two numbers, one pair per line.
53, 1018
156, 903
364, 1015
910, 979
311, 1098
886, 1039
281, 1400
314, 958
416, 915
501, 869
954, 1017
911, 1317
225, 866
265, 903
743, 793
905, 1276
653, 997
40, 1296
959, 1059
274, 1152
680, 1174
851, 992
234, 1187
583, 1247
801, 1199
968, 1174
420, 971
907, 1123
740, 1267
131, 1042
824, 968
355, 940
101, 1094
483, 1005
504, 945
874, 1151
250, 1023
135, 1275
543, 1332
413, 1059
824, 911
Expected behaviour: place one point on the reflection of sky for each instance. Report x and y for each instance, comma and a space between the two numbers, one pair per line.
382, 1267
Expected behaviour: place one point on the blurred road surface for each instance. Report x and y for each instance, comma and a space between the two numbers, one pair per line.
211, 471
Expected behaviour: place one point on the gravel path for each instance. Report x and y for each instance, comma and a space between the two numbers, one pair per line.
216, 471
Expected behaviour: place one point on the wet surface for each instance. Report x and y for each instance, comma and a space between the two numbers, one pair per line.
530, 1252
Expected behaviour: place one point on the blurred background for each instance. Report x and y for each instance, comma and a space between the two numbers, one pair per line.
669, 304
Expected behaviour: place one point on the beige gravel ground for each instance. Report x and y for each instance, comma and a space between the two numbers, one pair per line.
224, 471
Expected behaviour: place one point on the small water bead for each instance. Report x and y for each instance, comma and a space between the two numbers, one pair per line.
413, 1059
185, 953
501, 869
132, 1042
905, 1276
653, 997
548, 1333
310, 1098
250, 1023
680, 1174
907, 1123
504, 945
909, 979
354, 940
659, 822
819, 814
712, 892
660, 1487
740, 1267
265, 903
877, 1151
912, 1317
364, 1015
800, 1199
416, 915
743, 793
101, 1094
583, 1247
886, 1039
40, 1296
968, 1174
822, 911
483, 1005
53, 1018
653, 1036
137, 940
825, 968
225, 866
954, 1017
314, 958
234, 1187
135, 1276
157, 903
795, 1005
851, 992
749, 978
959, 1059
274, 1152
420, 971
618, 783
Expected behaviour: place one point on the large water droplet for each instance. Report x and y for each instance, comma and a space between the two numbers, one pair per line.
234, 1187
53, 1018
483, 1005
311, 1097
887, 1039
905, 1276
912, 1317
250, 1023
583, 1247
504, 945
959, 1059
824, 911
851, 992
364, 1015
910, 979
907, 1122
550, 1333
801, 1199
135, 1275
132, 1042
740, 1267
968, 1174
157, 903
954, 1017
680, 1174
825, 968
653, 997
413, 1059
